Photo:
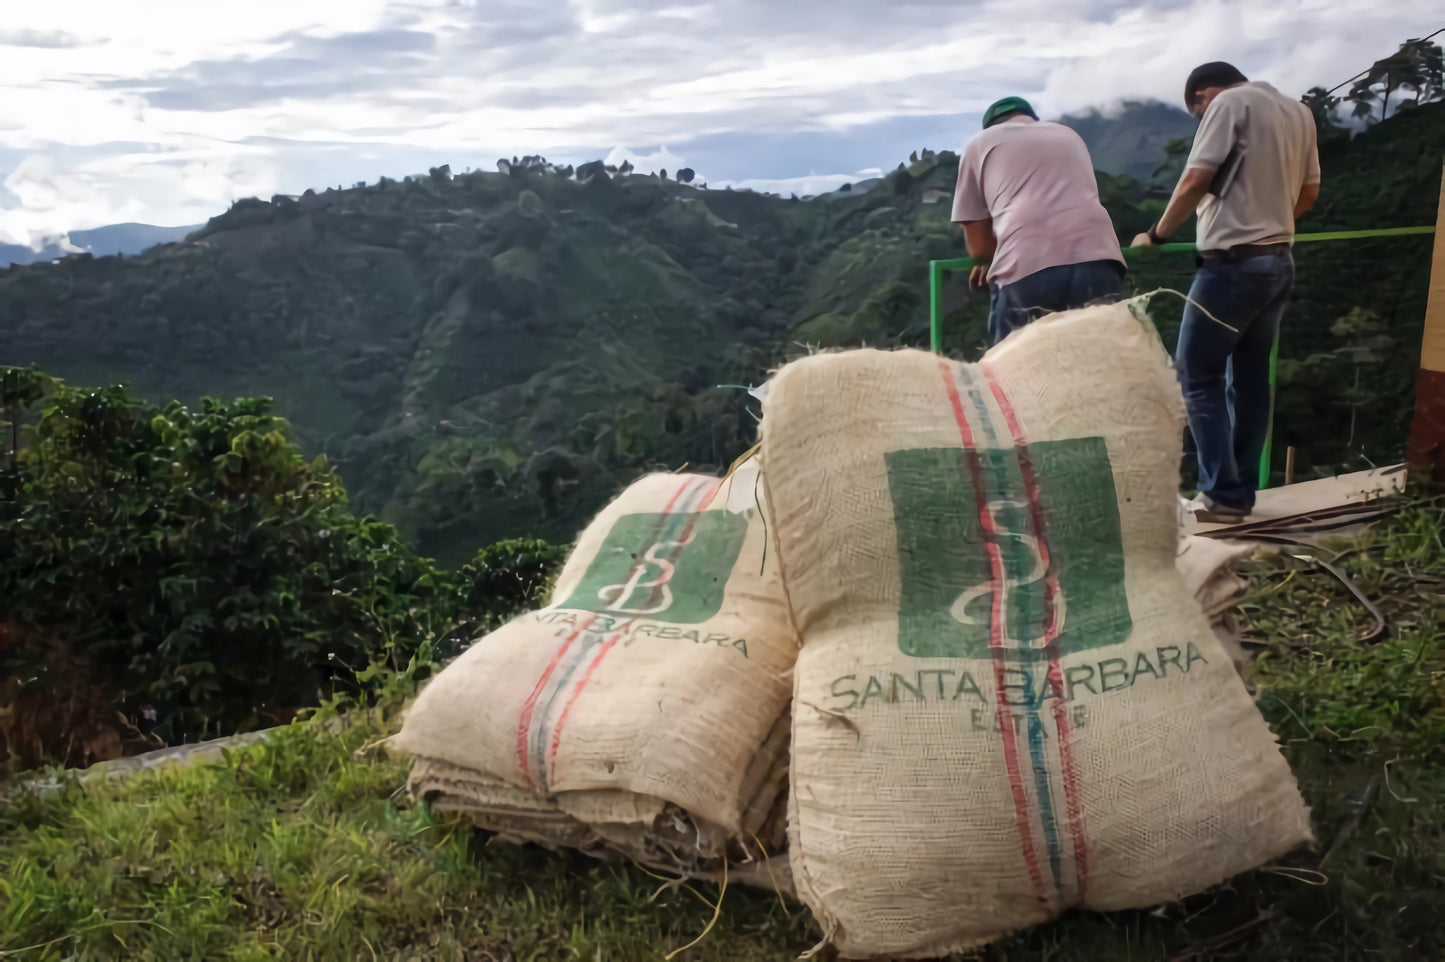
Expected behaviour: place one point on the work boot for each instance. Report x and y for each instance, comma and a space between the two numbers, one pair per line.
1208, 511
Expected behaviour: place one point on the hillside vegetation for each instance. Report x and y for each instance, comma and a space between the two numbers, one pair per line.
487, 352
173, 574
490, 355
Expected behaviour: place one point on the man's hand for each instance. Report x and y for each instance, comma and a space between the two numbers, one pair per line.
1142, 240
978, 278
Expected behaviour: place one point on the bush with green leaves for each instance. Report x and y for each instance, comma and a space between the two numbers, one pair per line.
203, 572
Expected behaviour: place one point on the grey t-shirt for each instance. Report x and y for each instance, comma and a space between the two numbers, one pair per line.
1263, 145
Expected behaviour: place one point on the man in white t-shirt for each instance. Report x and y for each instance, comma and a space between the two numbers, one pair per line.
1029, 205
1253, 170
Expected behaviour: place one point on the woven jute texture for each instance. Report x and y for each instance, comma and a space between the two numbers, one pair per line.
1007, 703
655, 677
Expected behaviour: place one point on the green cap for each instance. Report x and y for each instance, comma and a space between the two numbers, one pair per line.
1000, 109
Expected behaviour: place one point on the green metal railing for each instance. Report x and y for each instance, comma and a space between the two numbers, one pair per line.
936, 270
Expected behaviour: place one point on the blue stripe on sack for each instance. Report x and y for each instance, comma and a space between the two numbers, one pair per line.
1038, 755
584, 650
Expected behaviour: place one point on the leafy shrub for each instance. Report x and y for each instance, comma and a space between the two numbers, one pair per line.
204, 573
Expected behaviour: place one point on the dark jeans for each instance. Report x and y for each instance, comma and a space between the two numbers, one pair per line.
1225, 374
1063, 288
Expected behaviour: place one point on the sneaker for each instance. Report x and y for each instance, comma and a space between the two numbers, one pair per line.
1208, 511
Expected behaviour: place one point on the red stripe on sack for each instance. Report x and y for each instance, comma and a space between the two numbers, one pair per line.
1010, 750
1071, 779
1036, 508
602, 651
1066, 748
1016, 781
524, 720
707, 501
985, 517
612, 641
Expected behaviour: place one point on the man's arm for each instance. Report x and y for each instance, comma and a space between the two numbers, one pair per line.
1187, 194
1308, 194
1216, 137
970, 210
982, 243
980, 238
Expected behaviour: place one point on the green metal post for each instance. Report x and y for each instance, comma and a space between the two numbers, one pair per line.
936, 270
935, 306
1269, 432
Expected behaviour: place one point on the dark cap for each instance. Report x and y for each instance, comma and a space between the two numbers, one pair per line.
1005, 108
1214, 74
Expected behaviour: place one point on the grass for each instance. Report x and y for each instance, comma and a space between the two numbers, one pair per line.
297, 848
301, 847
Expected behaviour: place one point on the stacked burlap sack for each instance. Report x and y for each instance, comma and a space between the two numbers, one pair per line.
1007, 703
645, 709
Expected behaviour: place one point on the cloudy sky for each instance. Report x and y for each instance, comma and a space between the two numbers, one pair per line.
164, 111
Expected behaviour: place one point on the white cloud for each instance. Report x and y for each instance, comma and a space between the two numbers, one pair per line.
1294, 46
174, 110
644, 162
170, 188
808, 185
45, 39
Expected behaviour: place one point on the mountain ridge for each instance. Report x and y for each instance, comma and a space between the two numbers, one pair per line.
1131, 139
124, 238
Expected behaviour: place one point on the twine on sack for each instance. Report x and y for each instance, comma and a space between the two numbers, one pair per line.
673, 884
763, 519
1389, 788
1301, 875
742, 459
827, 941
768, 864
1189, 300
716, 912
767, 540
835, 716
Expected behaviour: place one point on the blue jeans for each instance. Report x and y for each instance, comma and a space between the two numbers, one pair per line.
1063, 288
1225, 374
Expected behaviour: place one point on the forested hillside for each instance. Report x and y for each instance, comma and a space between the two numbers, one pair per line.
490, 355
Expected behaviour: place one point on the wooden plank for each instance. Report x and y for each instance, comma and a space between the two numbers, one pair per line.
1432, 349
1426, 447
1336, 496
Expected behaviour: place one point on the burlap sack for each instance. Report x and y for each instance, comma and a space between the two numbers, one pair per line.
601, 823
515, 814
659, 670
1006, 703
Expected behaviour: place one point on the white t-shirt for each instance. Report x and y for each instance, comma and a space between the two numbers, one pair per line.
1263, 145
1035, 181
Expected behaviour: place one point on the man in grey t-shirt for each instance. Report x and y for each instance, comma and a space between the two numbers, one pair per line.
1253, 170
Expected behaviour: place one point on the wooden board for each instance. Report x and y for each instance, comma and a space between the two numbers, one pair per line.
1335, 495
1432, 348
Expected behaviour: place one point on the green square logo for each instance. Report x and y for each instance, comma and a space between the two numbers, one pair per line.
949, 599
671, 567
